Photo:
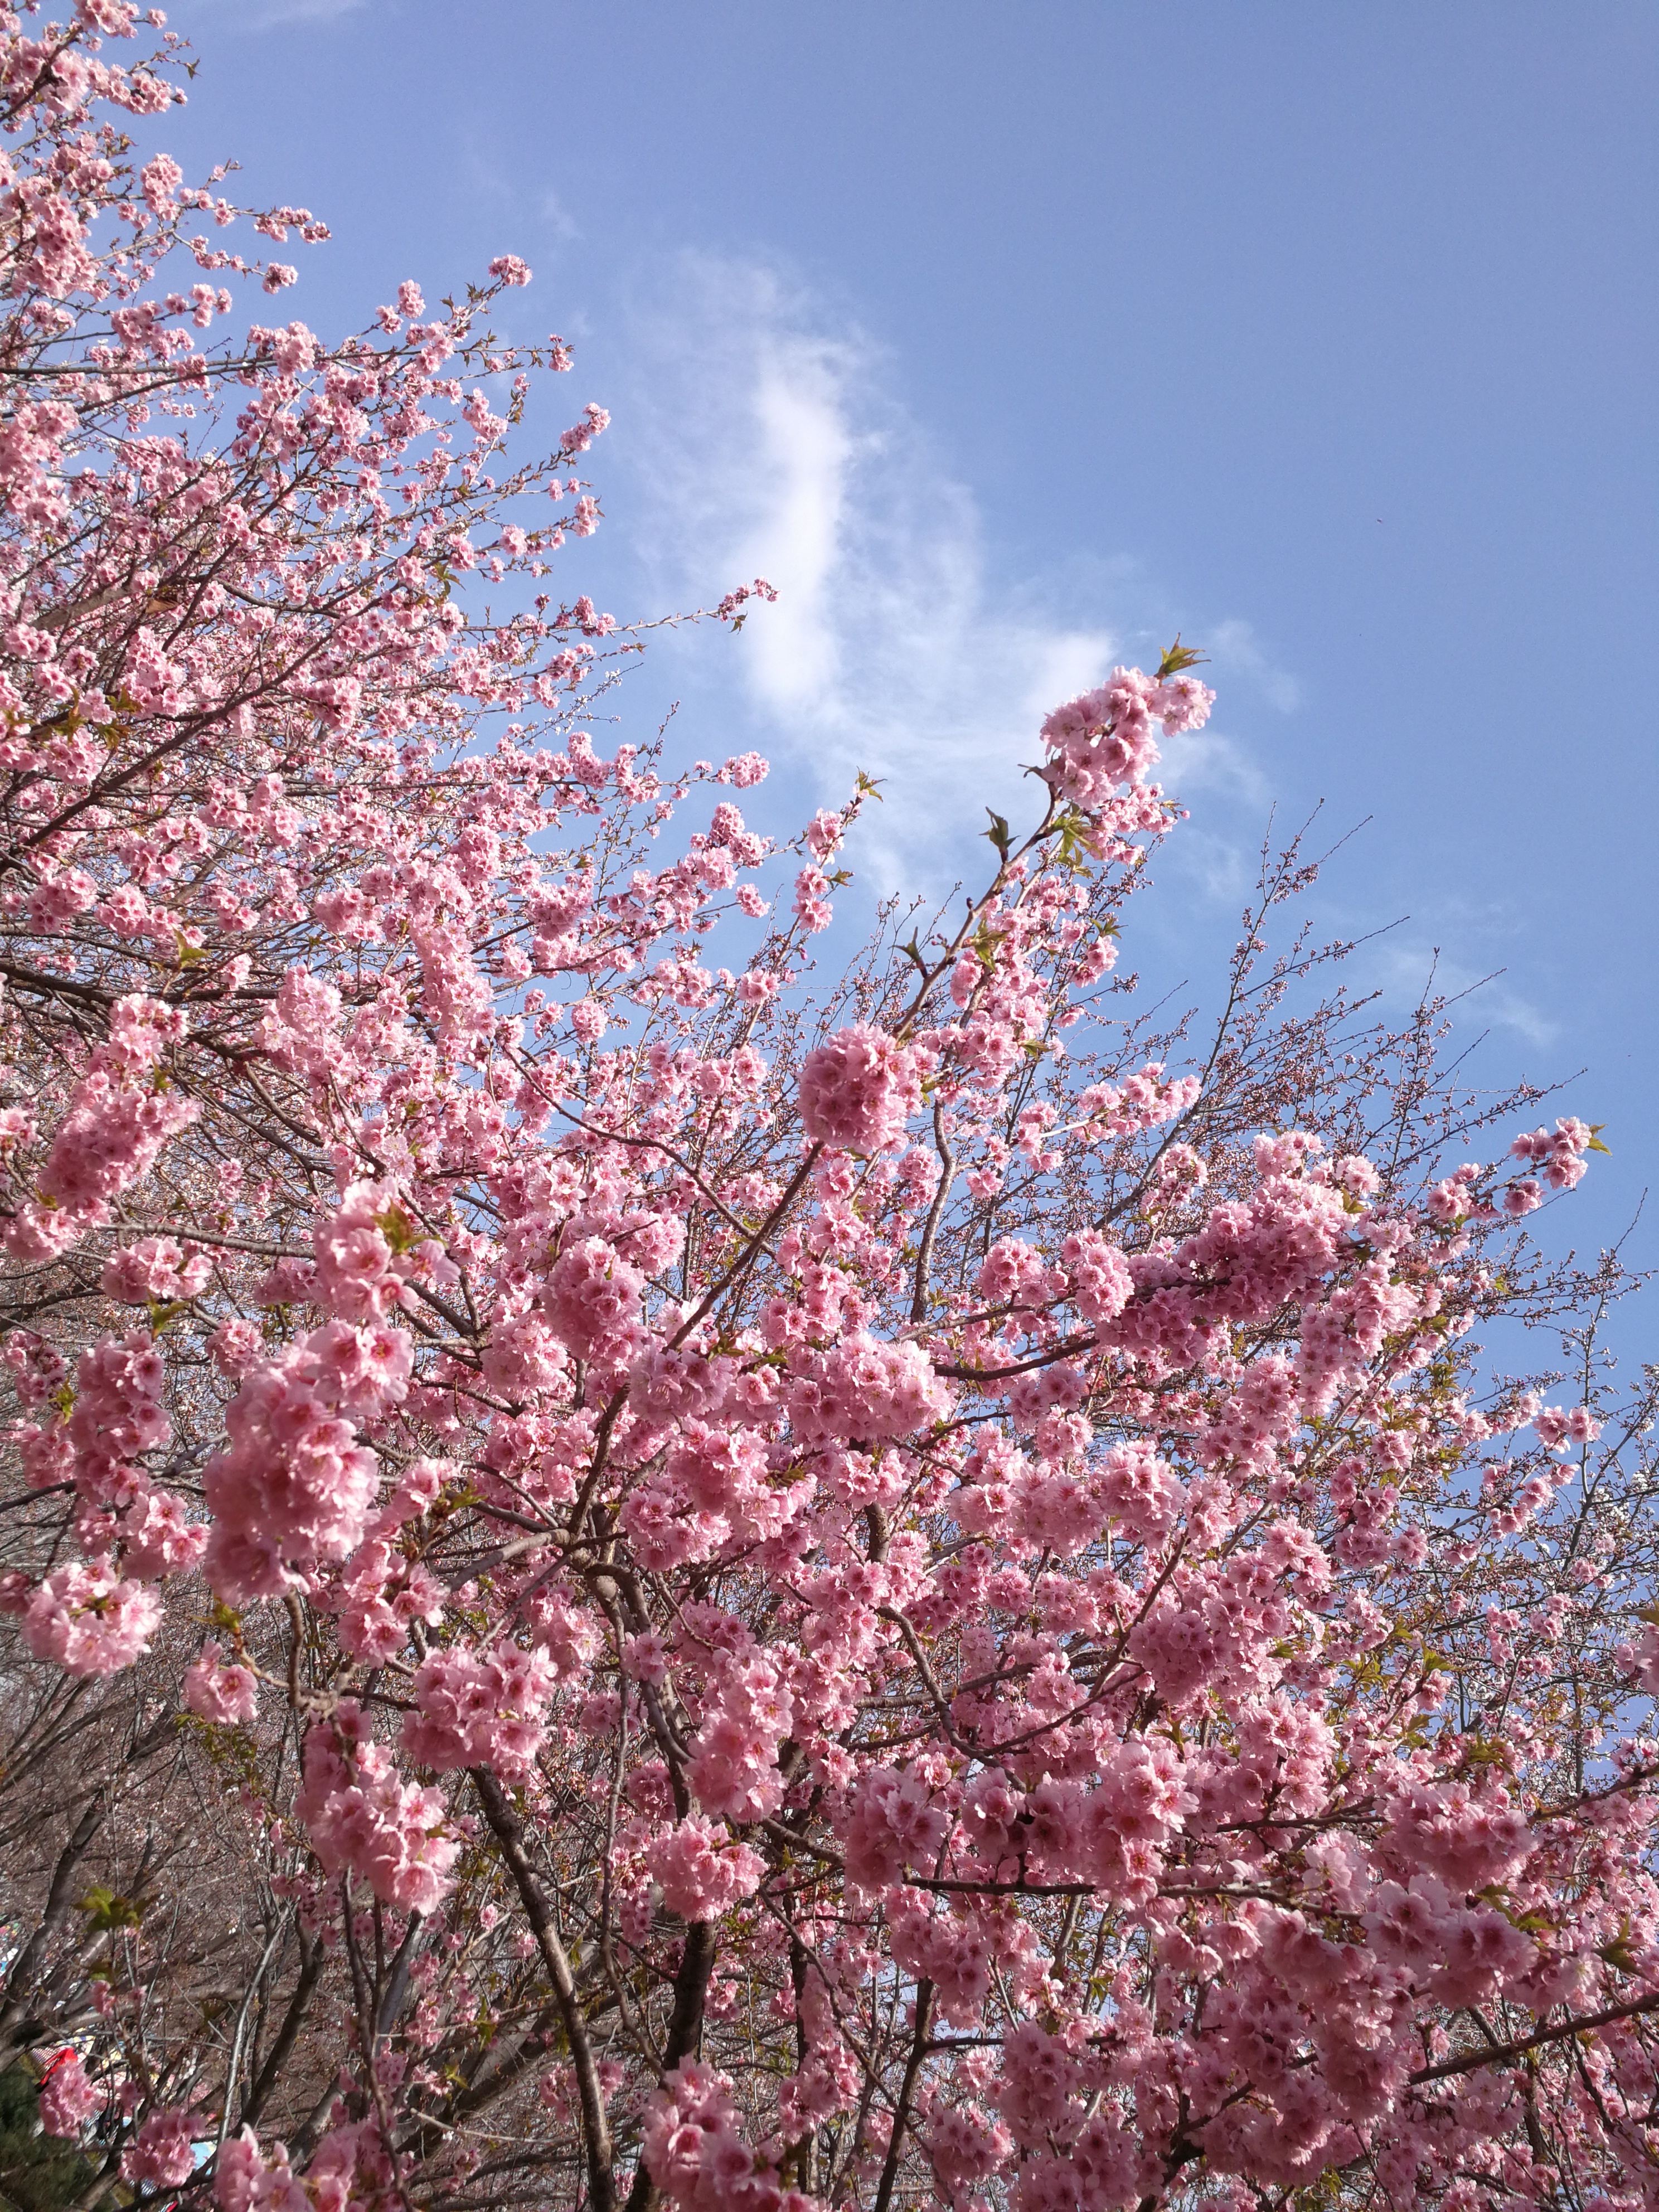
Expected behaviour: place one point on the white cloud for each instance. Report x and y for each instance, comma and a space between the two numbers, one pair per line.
1233, 646
561, 223
772, 447
768, 441
803, 458
1406, 972
1208, 760
271, 14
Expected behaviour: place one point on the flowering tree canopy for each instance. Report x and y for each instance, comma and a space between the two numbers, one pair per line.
640, 1575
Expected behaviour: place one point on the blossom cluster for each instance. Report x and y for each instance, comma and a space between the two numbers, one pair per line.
360, 1817
1104, 738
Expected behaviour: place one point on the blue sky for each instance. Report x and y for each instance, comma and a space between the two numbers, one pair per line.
1008, 340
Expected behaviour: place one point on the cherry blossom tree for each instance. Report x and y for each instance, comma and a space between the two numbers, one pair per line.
645, 1568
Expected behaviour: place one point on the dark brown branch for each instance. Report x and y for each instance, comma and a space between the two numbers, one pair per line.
907, 2090
684, 2028
311, 1968
509, 1834
1501, 2053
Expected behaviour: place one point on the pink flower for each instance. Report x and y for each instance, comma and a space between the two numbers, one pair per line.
894, 1823
701, 1871
235, 1345
88, 1620
1102, 1284
480, 1708
163, 2151
1024, 1542
868, 1392
1139, 1491
1104, 738
592, 1295
157, 1540
824, 834
291, 1486
160, 178
119, 1123
219, 1690
361, 1816
733, 1768
68, 2098
243, 2182
155, 1268
858, 1089
357, 1274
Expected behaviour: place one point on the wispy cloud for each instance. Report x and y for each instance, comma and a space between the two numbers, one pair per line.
769, 442
773, 446
1405, 972
1233, 648
271, 14
556, 218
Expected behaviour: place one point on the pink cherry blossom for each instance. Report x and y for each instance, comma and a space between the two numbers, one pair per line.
90, 1620
360, 1816
479, 1709
703, 1873
858, 1090
163, 2153
155, 1267
69, 2098
218, 1689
